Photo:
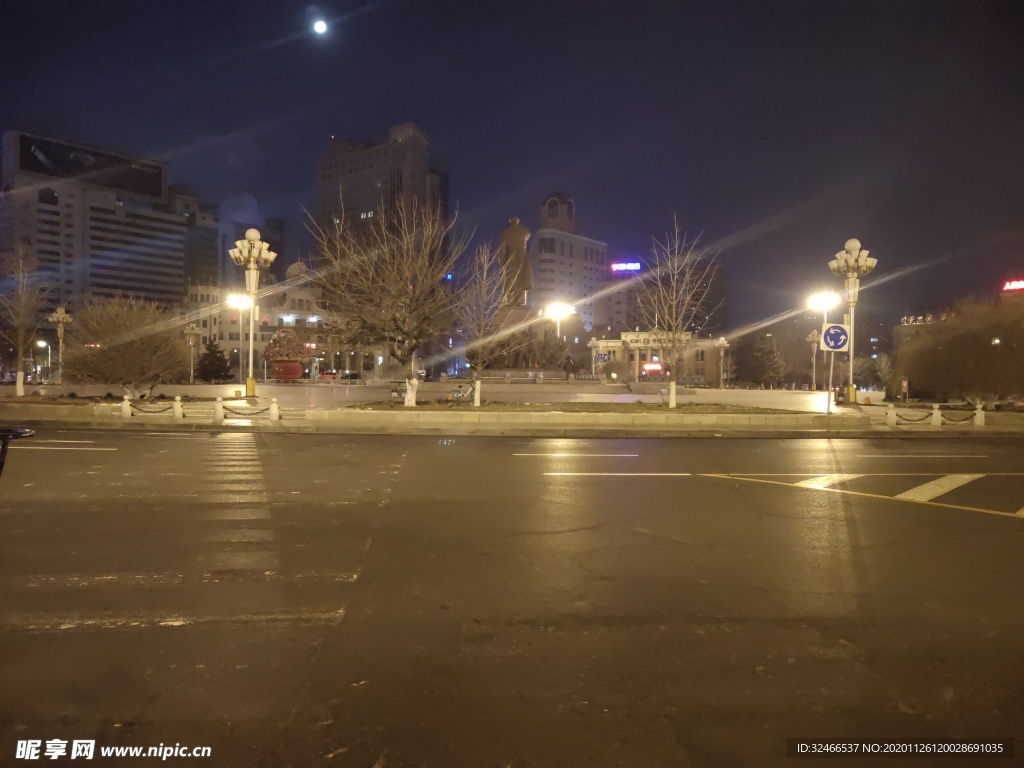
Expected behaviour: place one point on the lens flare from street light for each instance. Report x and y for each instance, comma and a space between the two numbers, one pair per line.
239, 301
822, 302
559, 311
320, 26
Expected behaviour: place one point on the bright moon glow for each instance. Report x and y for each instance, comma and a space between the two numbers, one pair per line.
320, 26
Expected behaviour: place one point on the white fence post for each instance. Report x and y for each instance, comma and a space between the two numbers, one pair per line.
179, 413
979, 416
890, 415
126, 407
936, 415
218, 409
275, 411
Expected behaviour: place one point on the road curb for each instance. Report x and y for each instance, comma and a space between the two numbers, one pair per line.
882, 433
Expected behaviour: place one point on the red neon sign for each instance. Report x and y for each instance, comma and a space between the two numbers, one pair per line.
1014, 285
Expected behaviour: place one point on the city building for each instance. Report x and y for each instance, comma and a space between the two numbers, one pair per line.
97, 223
567, 266
637, 356
356, 180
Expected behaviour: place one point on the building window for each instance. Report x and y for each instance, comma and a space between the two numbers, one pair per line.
570, 209
552, 208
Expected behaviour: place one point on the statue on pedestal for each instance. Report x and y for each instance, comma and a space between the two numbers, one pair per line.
515, 261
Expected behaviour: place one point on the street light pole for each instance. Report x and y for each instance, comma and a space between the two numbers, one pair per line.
814, 338
192, 333
49, 359
852, 264
721, 345
254, 255
60, 318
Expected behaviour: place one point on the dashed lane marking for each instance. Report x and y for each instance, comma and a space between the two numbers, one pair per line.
42, 623
563, 455
56, 448
825, 481
928, 491
619, 474
921, 456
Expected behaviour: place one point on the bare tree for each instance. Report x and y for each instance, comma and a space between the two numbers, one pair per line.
486, 313
389, 281
126, 341
23, 295
675, 297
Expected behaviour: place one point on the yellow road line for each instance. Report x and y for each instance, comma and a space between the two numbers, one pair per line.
869, 495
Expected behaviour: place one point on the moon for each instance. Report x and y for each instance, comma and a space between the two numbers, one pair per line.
320, 26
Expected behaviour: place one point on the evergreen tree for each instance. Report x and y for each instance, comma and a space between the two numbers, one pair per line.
213, 366
768, 363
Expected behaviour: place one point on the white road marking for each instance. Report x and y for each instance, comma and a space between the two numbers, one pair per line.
127, 580
561, 455
90, 442
618, 474
921, 456
42, 623
928, 491
56, 448
238, 535
824, 481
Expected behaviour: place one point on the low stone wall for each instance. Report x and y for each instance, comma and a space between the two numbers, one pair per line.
488, 419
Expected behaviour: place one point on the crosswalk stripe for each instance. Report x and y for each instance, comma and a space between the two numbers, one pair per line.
928, 491
825, 481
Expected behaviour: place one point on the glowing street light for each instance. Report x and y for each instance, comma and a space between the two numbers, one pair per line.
42, 344
820, 302
853, 264
823, 302
558, 312
254, 255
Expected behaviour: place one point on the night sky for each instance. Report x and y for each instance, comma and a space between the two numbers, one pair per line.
774, 130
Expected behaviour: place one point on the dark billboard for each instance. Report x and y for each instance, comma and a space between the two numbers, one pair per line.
66, 161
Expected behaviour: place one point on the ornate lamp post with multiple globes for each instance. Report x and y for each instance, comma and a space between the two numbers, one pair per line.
853, 264
254, 255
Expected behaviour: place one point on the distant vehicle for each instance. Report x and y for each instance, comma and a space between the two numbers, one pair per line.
327, 375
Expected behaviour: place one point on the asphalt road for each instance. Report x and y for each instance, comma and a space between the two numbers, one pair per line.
306, 600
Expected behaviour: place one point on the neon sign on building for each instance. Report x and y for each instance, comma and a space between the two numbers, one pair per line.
626, 266
1011, 285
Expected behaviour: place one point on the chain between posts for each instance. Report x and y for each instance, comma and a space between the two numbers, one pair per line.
951, 420
913, 421
140, 409
249, 413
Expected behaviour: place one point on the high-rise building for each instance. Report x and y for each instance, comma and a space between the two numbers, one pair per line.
567, 266
96, 223
355, 180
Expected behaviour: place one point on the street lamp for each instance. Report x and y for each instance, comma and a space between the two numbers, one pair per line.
192, 333
60, 318
814, 338
721, 345
240, 301
820, 302
558, 312
254, 255
49, 366
853, 264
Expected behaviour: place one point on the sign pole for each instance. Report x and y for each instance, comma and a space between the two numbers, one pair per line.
831, 367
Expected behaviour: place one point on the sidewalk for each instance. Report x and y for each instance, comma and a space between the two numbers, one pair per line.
329, 414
